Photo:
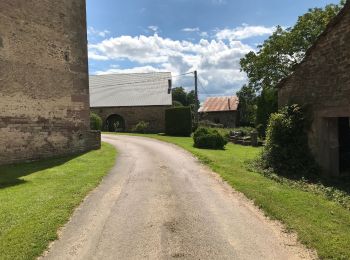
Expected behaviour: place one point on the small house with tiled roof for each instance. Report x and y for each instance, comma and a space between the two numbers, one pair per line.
220, 110
124, 100
321, 83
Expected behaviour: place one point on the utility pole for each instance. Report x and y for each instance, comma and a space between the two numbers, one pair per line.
196, 117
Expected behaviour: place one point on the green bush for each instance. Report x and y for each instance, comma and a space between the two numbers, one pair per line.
178, 121
95, 122
287, 151
266, 105
142, 127
209, 138
177, 104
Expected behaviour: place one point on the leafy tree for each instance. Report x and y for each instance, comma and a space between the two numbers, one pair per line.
177, 104
247, 105
183, 98
285, 48
180, 95
266, 105
191, 98
277, 57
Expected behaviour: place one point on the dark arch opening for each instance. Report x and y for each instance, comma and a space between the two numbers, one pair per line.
115, 123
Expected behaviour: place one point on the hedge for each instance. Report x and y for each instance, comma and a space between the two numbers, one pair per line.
208, 138
142, 127
178, 121
95, 122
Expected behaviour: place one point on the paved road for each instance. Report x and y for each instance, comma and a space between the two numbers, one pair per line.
158, 202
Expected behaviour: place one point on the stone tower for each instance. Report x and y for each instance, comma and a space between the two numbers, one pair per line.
44, 92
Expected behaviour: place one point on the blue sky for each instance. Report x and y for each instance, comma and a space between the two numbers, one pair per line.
183, 35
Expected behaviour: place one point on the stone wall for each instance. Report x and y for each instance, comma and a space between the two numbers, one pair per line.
155, 115
322, 83
226, 118
44, 93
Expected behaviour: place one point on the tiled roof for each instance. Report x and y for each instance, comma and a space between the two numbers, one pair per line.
138, 89
215, 104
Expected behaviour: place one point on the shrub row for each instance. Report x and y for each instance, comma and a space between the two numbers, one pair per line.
142, 127
95, 122
209, 139
178, 121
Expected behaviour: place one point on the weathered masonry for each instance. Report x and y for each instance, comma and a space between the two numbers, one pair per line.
220, 110
124, 100
44, 93
322, 83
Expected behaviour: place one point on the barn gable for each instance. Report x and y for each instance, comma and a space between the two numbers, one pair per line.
124, 100
322, 84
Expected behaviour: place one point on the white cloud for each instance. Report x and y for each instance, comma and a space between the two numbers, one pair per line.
153, 28
217, 61
95, 56
94, 32
143, 69
196, 29
204, 34
244, 32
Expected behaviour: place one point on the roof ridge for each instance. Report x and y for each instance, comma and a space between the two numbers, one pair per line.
138, 73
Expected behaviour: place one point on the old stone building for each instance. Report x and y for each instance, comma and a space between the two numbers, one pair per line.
44, 94
322, 83
220, 110
124, 100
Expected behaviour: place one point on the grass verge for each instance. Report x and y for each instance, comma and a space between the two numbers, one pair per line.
37, 198
320, 223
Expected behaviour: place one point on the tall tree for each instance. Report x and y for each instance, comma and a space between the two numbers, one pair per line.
191, 99
180, 95
266, 105
285, 48
247, 105
279, 54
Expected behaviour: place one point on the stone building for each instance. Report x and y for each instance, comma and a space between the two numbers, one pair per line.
124, 100
220, 110
44, 94
322, 83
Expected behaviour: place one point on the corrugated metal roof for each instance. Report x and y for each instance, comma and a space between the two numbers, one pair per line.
215, 104
137, 89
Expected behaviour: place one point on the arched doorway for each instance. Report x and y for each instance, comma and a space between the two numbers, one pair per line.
115, 123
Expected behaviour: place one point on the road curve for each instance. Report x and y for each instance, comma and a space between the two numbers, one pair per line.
159, 202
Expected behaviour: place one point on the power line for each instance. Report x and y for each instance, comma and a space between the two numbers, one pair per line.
200, 84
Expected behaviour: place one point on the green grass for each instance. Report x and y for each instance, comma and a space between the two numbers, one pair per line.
37, 198
320, 223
